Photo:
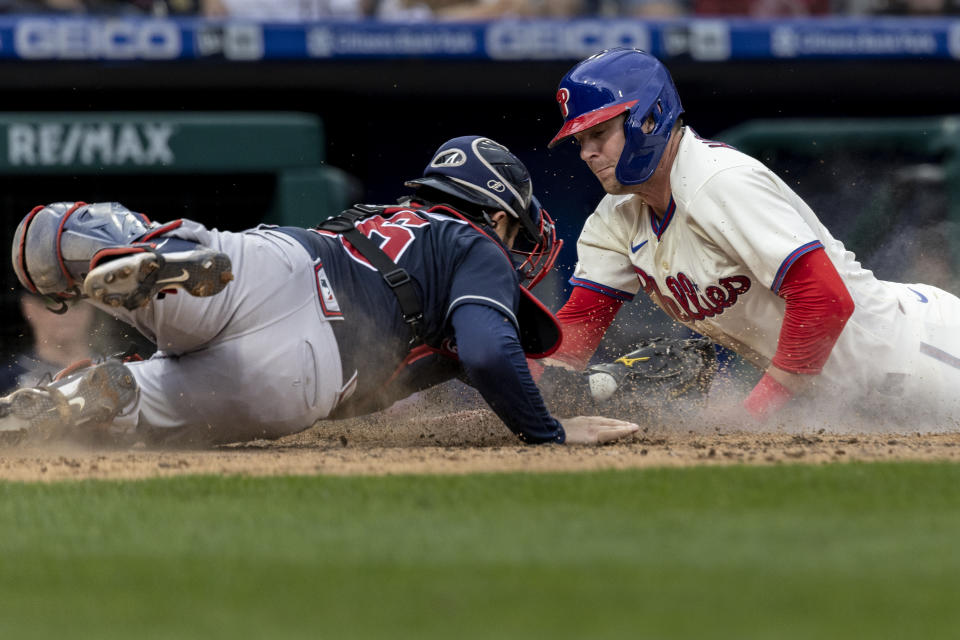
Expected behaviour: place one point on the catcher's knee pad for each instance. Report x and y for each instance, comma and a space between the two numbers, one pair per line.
54, 244
90, 397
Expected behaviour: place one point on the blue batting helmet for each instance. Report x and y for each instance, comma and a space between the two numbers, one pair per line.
615, 81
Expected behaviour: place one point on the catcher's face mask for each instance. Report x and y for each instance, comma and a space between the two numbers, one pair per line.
536, 254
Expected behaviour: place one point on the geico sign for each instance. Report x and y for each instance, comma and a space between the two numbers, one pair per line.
89, 144
47, 39
556, 39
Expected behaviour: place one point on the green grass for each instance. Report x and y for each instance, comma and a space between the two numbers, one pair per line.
846, 551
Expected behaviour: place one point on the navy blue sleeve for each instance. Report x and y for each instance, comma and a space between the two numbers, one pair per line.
485, 276
491, 354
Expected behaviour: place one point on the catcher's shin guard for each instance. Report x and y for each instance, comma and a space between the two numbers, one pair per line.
53, 244
87, 398
133, 279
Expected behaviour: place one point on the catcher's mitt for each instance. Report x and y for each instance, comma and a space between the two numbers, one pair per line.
667, 369
661, 375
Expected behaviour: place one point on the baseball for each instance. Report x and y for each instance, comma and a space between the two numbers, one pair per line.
602, 386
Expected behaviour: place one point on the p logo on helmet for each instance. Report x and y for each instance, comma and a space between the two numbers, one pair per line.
563, 97
617, 81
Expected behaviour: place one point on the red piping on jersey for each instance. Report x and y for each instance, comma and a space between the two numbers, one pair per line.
713, 144
616, 294
659, 226
417, 209
584, 318
789, 260
818, 306
63, 221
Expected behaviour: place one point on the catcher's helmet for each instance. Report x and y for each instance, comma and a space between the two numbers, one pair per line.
615, 81
478, 176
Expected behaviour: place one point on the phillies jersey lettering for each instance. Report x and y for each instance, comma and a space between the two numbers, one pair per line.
688, 303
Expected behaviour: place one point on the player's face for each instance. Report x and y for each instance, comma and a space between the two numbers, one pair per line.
600, 147
506, 228
67, 332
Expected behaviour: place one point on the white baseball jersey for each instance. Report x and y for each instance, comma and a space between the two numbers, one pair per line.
717, 258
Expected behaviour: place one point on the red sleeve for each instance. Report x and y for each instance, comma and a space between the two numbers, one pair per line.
818, 307
585, 317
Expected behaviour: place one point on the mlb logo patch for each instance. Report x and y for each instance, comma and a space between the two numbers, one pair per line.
328, 301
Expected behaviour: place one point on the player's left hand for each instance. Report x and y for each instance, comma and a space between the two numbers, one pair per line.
596, 429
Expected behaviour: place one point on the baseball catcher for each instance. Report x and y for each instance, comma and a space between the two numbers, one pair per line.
264, 332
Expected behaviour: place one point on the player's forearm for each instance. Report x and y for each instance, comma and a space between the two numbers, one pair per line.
585, 318
817, 308
496, 366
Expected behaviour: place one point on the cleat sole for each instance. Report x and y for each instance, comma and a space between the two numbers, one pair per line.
134, 280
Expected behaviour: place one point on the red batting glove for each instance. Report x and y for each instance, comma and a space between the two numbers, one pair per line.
767, 398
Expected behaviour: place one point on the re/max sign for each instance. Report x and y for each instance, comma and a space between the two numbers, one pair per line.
93, 144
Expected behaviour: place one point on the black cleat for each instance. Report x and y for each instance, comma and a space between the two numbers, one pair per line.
133, 280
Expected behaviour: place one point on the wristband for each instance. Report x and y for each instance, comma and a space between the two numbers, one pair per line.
767, 398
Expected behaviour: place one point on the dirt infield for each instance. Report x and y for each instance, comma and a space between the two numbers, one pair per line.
464, 442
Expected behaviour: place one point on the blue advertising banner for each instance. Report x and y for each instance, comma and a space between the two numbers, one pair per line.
117, 39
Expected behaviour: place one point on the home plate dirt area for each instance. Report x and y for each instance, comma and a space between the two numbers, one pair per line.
409, 441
